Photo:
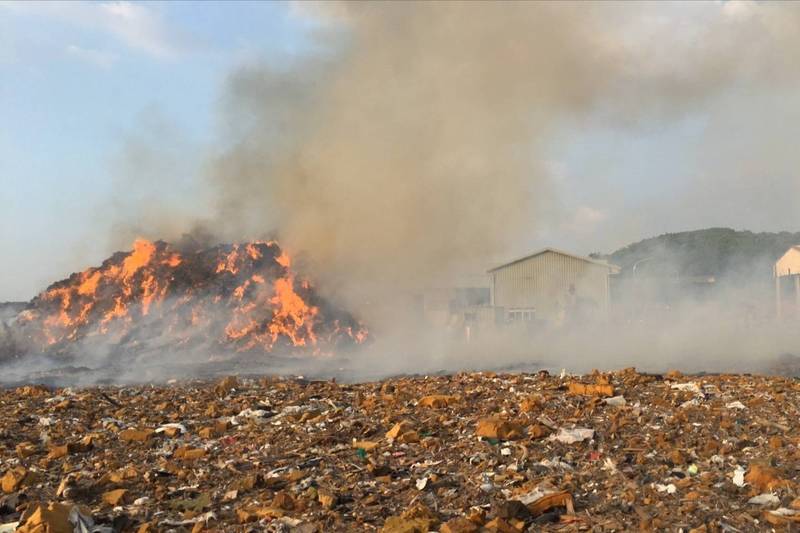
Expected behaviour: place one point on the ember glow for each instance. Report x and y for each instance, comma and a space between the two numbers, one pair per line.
243, 297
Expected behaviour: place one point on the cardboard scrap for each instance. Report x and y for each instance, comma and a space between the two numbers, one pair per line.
765, 478
581, 389
497, 428
437, 401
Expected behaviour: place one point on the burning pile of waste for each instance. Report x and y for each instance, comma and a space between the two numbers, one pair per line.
239, 297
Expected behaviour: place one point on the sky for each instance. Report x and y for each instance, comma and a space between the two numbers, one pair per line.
77, 81
89, 91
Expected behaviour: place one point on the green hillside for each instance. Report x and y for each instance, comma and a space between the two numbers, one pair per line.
719, 252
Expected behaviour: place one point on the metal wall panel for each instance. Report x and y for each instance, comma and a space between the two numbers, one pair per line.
543, 282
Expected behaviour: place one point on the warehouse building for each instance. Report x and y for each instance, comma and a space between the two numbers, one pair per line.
551, 287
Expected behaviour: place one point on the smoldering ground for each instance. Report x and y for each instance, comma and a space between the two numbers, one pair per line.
412, 146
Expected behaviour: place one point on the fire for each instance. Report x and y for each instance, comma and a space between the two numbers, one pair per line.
283, 260
173, 260
229, 263
292, 315
143, 251
89, 284
253, 251
243, 296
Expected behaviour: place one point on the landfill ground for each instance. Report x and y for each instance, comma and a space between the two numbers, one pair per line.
618, 451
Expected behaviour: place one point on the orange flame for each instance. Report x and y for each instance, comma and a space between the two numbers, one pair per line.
292, 315
143, 251
252, 282
284, 260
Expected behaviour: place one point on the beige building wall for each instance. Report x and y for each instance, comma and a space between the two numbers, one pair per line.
789, 263
787, 269
553, 283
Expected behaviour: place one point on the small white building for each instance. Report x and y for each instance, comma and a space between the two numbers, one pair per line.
787, 283
552, 286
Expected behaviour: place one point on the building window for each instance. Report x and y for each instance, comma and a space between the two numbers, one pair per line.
522, 315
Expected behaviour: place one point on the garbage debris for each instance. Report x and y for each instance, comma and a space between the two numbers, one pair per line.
496, 428
688, 387
782, 516
735, 405
615, 401
669, 489
470, 452
738, 477
545, 497
765, 477
569, 436
764, 499
437, 401
58, 518
591, 389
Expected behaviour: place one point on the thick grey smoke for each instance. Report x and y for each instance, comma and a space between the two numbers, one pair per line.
415, 149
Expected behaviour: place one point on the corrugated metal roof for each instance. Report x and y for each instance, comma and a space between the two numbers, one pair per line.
556, 251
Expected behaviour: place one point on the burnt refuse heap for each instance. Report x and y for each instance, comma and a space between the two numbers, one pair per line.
220, 299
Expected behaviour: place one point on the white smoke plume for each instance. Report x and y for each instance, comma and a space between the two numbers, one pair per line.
415, 148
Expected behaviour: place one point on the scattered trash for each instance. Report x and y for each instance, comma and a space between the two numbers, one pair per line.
570, 436
765, 477
496, 428
437, 401
545, 497
590, 389
687, 387
84, 523
58, 518
738, 476
694, 402
669, 489
615, 401
735, 405
172, 429
463, 453
764, 499
403, 432
609, 465
555, 463
782, 516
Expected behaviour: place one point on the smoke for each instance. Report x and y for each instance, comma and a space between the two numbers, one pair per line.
415, 145
668, 313
416, 148
415, 152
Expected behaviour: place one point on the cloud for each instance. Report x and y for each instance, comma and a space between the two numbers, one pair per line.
138, 26
98, 58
